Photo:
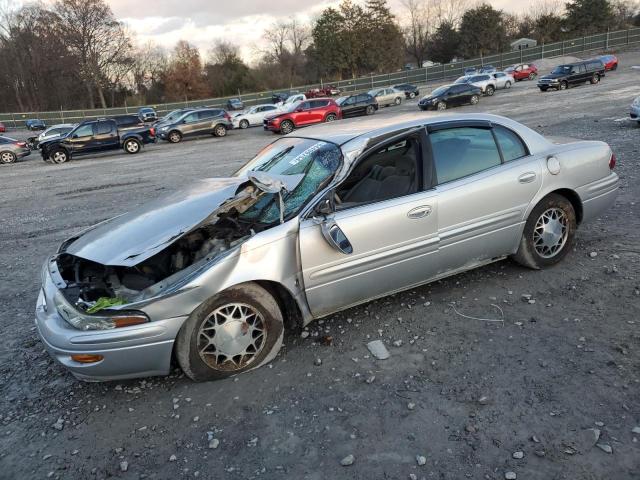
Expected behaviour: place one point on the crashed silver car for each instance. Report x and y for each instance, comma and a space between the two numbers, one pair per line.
317, 222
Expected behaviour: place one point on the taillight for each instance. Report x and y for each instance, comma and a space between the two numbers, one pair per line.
612, 162
21, 144
152, 132
227, 116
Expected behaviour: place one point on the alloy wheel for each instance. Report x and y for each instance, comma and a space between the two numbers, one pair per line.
550, 233
7, 157
244, 124
132, 146
231, 337
59, 157
442, 106
220, 131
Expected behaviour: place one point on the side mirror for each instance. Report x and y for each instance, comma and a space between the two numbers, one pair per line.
75, 135
335, 237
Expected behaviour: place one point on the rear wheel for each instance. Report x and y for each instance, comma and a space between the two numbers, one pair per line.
441, 106
595, 79
244, 124
219, 130
507, 85
332, 117
370, 110
59, 156
7, 157
548, 234
175, 136
490, 90
412, 95
235, 331
532, 76
474, 99
286, 127
132, 146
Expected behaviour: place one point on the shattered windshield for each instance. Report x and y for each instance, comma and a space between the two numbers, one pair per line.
317, 160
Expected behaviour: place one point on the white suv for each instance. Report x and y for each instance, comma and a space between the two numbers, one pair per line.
483, 81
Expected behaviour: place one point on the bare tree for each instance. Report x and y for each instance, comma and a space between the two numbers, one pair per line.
419, 21
97, 40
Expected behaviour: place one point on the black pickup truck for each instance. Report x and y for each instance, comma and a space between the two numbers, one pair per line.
95, 136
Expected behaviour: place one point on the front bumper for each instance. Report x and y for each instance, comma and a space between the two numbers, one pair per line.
129, 352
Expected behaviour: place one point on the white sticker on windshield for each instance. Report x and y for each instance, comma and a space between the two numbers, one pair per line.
306, 153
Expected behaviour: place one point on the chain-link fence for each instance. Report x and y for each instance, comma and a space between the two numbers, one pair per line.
601, 41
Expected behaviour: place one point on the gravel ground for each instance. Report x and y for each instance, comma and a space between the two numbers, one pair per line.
551, 392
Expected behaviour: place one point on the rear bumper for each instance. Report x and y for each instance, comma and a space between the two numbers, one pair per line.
598, 196
23, 153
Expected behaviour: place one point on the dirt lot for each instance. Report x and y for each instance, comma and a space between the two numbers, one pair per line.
465, 394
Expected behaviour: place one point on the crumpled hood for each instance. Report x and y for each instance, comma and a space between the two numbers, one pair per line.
131, 238
139, 234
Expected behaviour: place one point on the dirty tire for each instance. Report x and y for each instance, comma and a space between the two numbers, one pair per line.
244, 124
174, 136
286, 127
595, 79
528, 254
132, 146
7, 157
190, 341
370, 110
490, 90
441, 106
219, 131
59, 156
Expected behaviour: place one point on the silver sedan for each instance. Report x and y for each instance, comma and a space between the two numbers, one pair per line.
502, 79
314, 224
12, 150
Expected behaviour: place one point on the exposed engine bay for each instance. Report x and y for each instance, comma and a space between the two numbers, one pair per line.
88, 281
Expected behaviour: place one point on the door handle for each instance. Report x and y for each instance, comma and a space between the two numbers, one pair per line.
419, 212
527, 177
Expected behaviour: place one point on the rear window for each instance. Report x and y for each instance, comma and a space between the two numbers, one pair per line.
510, 143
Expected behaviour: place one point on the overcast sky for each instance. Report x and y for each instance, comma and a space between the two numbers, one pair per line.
242, 22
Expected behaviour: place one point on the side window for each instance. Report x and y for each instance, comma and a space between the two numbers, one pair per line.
103, 128
459, 152
85, 130
350, 101
192, 117
582, 68
363, 98
268, 108
390, 172
204, 114
510, 143
305, 105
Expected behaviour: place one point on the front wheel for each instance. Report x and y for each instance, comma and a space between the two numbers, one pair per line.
237, 330
59, 156
595, 79
441, 106
548, 234
507, 85
412, 95
175, 137
490, 90
286, 127
219, 131
132, 146
563, 85
244, 124
397, 101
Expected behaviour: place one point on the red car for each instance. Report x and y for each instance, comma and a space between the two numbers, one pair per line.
322, 92
610, 62
302, 114
2, 128
522, 71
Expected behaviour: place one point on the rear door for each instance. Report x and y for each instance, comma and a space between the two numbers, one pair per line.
106, 135
486, 180
389, 219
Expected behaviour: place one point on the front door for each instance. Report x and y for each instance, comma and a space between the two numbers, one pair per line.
82, 140
486, 180
390, 222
